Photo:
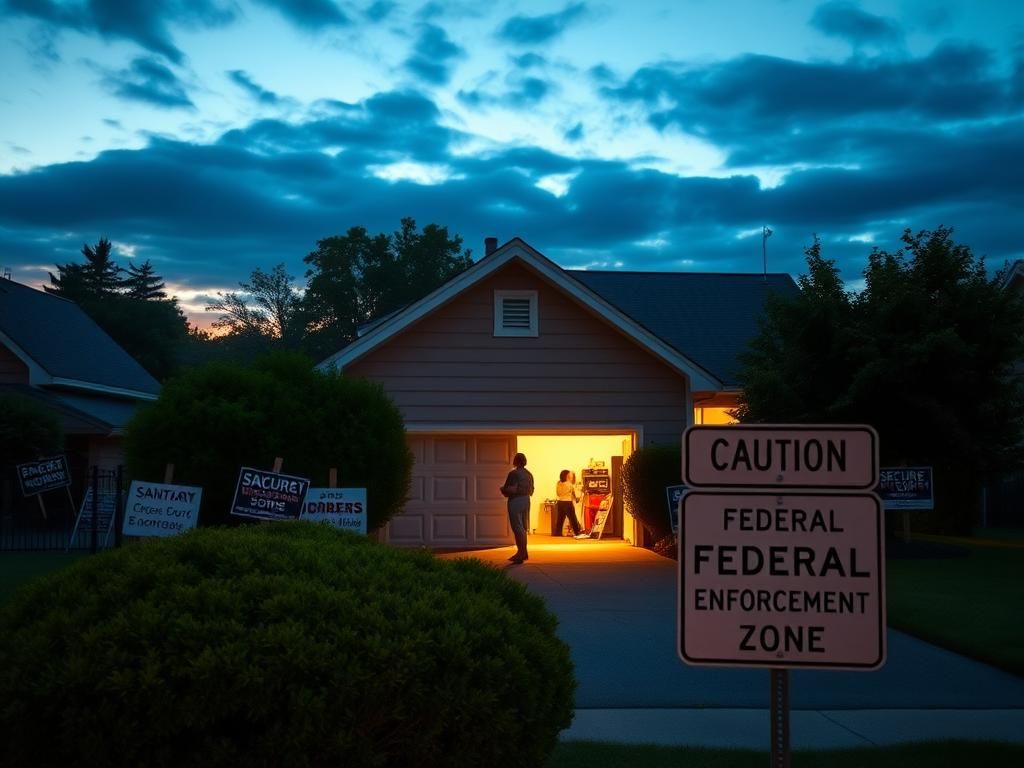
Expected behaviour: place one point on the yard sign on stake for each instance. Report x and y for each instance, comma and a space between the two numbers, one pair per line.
781, 554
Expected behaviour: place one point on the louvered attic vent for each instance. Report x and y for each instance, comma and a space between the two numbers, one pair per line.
515, 313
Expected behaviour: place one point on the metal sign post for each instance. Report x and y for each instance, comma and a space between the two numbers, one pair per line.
780, 718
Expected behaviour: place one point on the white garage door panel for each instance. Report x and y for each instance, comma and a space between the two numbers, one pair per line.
494, 451
451, 451
490, 528
454, 499
451, 527
450, 489
406, 528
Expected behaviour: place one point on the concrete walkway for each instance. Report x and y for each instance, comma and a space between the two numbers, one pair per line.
617, 610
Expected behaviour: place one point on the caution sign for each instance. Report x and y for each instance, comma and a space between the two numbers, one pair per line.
793, 580
781, 456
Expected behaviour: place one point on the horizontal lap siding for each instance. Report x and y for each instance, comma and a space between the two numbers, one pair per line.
450, 369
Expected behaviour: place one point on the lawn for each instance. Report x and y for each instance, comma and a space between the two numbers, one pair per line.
934, 755
16, 568
973, 605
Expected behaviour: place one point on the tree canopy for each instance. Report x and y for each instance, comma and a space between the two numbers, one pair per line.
356, 277
925, 353
133, 310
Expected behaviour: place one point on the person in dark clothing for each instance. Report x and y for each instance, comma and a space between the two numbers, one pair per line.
518, 489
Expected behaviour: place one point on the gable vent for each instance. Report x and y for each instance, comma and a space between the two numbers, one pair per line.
515, 313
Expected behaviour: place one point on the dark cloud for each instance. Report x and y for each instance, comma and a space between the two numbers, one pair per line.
753, 100
241, 78
845, 20
144, 23
575, 133
149, 81
532, 30
528, 61
309, 14
380, 10
519, 92
209, 214
433, 55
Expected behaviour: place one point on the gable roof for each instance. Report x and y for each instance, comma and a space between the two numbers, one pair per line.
712, 316
518, 250
62, 346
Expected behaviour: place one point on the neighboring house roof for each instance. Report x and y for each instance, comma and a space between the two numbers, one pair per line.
696, 323
1014, 277
80, 415
63, 347
711, 317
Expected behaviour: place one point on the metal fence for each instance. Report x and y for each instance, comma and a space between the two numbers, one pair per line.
84, 516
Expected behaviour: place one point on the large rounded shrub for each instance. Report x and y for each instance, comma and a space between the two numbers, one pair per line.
28, 431
645, 476
211, 421
289, 644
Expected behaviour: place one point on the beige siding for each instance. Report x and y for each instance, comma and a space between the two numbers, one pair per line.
450, 369
12, 370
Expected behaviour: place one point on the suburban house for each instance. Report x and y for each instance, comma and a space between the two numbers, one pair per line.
574, 368
53, 353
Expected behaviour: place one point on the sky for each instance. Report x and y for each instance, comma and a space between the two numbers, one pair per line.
214, 137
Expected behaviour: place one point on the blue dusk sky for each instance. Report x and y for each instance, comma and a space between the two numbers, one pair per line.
216, 136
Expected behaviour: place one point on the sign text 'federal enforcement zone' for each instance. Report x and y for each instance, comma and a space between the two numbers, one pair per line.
830, 457
793, 580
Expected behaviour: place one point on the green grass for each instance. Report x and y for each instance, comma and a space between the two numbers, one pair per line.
953, 754
17, 568
971, 605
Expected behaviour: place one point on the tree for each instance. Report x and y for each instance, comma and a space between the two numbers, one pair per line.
356, 277
143, 283
210, 421
99, 277
924, 353
134, 311
267, 307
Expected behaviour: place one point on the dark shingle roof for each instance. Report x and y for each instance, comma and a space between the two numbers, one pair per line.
65, 342
709, 317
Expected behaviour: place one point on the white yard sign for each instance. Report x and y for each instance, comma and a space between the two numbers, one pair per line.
158, 509
344, 508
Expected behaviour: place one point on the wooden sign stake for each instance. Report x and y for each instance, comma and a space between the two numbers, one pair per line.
277, 465
168, 474
332, 477
42, 507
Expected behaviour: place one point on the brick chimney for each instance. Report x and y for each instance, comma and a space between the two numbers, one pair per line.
490, 245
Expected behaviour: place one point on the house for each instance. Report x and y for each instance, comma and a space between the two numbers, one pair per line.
52, 352
573, 368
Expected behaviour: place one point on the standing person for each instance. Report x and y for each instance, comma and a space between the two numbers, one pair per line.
565, 492
518, 489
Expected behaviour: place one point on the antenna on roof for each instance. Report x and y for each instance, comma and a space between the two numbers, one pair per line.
765, 234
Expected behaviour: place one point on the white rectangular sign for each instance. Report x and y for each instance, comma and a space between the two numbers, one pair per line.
344, 508
159, 509
793, 579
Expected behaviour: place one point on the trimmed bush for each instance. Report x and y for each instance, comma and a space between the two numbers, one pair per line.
211, 421
645, 476
289, 644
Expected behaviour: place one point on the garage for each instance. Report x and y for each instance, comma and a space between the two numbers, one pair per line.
454, 501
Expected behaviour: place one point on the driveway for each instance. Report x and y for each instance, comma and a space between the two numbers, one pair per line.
617, 610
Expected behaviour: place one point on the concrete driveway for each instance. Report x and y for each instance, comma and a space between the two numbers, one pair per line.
617, 610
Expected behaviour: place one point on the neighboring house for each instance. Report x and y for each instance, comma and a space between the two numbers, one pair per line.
52, 352
573, 368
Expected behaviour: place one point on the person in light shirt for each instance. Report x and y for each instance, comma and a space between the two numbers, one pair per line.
565, 492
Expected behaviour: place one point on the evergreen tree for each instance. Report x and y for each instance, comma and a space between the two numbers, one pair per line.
143, 283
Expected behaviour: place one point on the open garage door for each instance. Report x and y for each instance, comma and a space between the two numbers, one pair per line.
454, 499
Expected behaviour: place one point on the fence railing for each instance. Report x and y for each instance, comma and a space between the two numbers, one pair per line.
55, 521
